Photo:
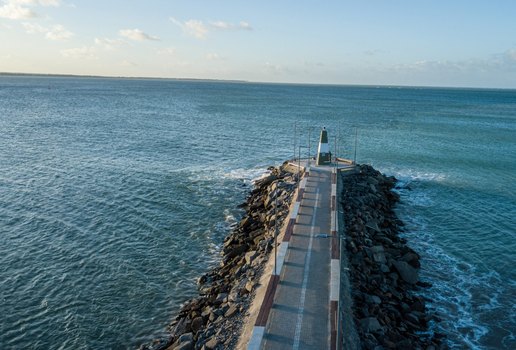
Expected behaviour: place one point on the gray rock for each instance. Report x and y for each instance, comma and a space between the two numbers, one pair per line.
185, 346
235, 251
373, 299
384, 268
197, 324
231, 311
412, 318
249, 256
249, 286
211, 343
378, 254
370, 324
377, 249
221, 297
184, 342
373, 225
407, 272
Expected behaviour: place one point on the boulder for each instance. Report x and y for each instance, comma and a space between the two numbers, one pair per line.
211, 343
231, 311
373, 225
249, 256
197, 324
406, 272
184, 342
370, 324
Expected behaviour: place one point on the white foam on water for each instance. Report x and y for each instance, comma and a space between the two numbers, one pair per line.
249, 175
454, 282
409, 175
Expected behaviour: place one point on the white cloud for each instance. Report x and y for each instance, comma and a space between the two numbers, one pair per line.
20, 9
199, 29
192, 27
136, 35
109, 44
85, 52
13, 11
31, 28
221, 25
196, 28
56, 32
230, 26
36, 2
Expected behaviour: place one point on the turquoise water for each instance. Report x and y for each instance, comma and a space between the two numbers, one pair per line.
116, 194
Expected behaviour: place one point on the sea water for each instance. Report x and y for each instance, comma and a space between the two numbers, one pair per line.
115, 194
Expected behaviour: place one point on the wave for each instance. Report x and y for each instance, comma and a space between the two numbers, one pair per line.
471, 300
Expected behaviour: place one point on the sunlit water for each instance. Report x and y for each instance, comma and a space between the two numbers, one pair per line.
116, 194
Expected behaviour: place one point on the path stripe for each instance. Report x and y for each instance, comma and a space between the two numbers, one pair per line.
263, 314
334, 266
267, 301
300, 194
335, 249
256, 338
289, 230
301, 310
280, 259
334, 279
333, 324
295, 210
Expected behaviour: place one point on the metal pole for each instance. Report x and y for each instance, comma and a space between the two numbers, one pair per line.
299, 167
338, 136
335, 150
275, 233
356, 138
295, 132
309, 144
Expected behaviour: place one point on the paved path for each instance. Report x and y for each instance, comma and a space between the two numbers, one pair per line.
300, 314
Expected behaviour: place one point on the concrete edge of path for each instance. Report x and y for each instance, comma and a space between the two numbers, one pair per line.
252, 337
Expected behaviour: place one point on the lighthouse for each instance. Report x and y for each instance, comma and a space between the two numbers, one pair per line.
323, 152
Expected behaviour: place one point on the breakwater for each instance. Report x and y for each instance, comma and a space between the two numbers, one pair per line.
214, 319
387, 303
383, 292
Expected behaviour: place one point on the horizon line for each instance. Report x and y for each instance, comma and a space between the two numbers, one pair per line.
242, 81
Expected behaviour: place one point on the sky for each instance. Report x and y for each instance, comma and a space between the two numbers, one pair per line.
371, 42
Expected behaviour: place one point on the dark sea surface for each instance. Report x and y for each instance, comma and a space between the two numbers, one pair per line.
115, 194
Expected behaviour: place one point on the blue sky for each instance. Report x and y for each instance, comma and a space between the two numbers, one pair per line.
388, 42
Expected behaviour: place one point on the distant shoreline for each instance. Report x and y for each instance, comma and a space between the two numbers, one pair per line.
236, 81
113, 77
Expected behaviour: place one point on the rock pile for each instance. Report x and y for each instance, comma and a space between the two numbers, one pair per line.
213, 320
384, 271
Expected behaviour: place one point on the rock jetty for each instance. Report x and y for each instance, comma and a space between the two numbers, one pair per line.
214, 319
388, 309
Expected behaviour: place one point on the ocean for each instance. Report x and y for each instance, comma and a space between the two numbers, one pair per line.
116, 194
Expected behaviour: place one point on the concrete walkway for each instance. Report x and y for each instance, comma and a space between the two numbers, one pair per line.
300, 314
